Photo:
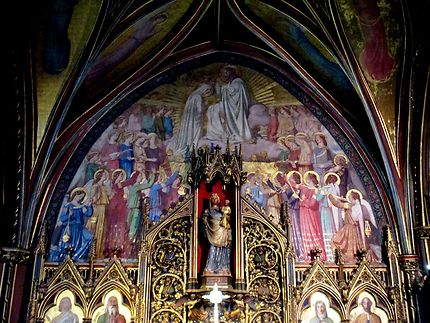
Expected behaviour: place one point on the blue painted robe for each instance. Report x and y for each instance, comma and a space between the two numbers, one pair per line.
73, 224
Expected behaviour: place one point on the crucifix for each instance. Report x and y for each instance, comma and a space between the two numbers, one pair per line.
216, 297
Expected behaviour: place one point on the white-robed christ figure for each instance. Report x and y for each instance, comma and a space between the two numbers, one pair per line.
228, 119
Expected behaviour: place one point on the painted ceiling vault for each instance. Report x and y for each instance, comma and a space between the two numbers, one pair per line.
343, 55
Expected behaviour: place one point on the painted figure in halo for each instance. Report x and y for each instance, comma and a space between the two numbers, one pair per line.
254, 190
275, 183
112, 314
100, 192
110, 151
358, 217
155, 203
66, 315
292, 196
126, 157
73, 232
133, 203
191, 125
330, 214
294, 152
168, 123
368, 316
310, 221
320, 314
116, 228
219, 237
229, 117
304, 162
321, 159
340, 167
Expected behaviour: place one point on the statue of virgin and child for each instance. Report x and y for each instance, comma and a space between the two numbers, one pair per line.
216, 222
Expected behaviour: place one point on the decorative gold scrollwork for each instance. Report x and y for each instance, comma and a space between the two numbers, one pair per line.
168, 288
168, 271
168, 254
262, 258
166, 316
264, 271
265, 289
266, 317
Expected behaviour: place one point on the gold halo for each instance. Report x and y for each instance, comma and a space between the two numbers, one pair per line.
98, 171
291, 172
319, 133
140, 135
281, 141
301, 134
334, 174
340, 155
119, 170
80, 189
353, 190
158, 15
305, 176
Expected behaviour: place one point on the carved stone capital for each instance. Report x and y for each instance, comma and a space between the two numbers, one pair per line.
409, 263
423, 232
14, 255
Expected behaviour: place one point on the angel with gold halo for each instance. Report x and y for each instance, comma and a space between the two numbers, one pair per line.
357, 228
73, 232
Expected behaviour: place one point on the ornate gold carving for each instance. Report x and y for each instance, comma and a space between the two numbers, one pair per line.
423, 232
210, 162
14, 255
264, 272
168, 268
409, 263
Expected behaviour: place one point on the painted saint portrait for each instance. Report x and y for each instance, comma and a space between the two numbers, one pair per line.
367, 310
319, 310
64, 309
113, 309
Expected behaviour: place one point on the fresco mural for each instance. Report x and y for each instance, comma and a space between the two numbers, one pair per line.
310, 49
59, 44
140, 163
127, 50
374, 31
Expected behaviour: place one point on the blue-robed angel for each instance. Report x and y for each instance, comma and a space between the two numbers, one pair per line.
155, 198
72, 231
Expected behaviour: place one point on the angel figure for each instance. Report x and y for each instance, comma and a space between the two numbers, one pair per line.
356, 231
